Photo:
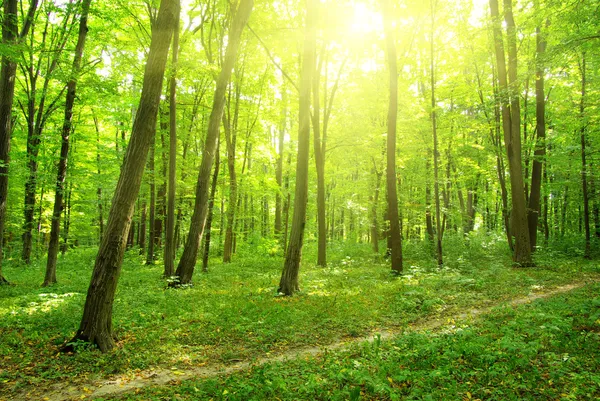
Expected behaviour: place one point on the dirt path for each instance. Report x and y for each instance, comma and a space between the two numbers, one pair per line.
161, 377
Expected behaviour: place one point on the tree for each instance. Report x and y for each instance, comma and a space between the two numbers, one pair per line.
64, 149
511, 124
96, 323
533, 209
288, 284
169, 256
584, 165
10, 38
40, 68
395, 237
439, 228
185, 268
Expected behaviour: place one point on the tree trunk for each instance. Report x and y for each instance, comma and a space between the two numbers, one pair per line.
99, 190
64, 150
533, 210
375, 202
436, 153
67, 219
152, 212
584, 179
319, 151
288, 283
279, 169
211, 204
142, 228
169, 254
185, 268
10, 37
230, 128
511, 126
392, 196
96, 323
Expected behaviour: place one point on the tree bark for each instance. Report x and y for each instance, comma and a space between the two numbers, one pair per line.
533, 210
211, 204
169, 254
392, 196
7, 91
96, 323
288, 284
511, 127
64, 149
185, 268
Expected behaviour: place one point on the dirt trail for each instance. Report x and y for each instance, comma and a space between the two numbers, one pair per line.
160, 377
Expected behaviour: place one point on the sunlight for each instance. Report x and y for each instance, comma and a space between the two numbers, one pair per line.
364, 19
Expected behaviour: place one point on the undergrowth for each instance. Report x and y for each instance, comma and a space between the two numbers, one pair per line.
232, 313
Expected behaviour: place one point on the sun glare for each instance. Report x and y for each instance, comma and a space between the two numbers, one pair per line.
364, 19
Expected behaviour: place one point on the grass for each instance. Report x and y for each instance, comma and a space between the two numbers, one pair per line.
544, 351
232, 313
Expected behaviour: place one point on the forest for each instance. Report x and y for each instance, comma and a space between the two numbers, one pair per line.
289, 200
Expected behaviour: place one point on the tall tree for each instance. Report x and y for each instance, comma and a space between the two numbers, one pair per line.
395, 236
533, 209
288, 284
512, 127
169, 255
320, 146
436, 153
64, 148
584, 165
96, 322
10, 38
230, 125
185, 268
279, 168
211, 204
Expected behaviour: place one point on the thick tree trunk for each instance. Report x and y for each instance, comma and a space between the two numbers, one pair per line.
169, 254
211, 204
288, 283
96, 323
7, 91
584, 167
533, 210
64, 149
185, 268
511, 126
392, 196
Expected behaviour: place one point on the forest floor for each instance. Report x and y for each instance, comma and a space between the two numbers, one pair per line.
222, 350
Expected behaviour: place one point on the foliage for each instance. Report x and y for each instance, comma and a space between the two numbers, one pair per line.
231, 314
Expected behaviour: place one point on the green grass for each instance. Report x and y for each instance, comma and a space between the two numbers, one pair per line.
232, 313
548, 350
